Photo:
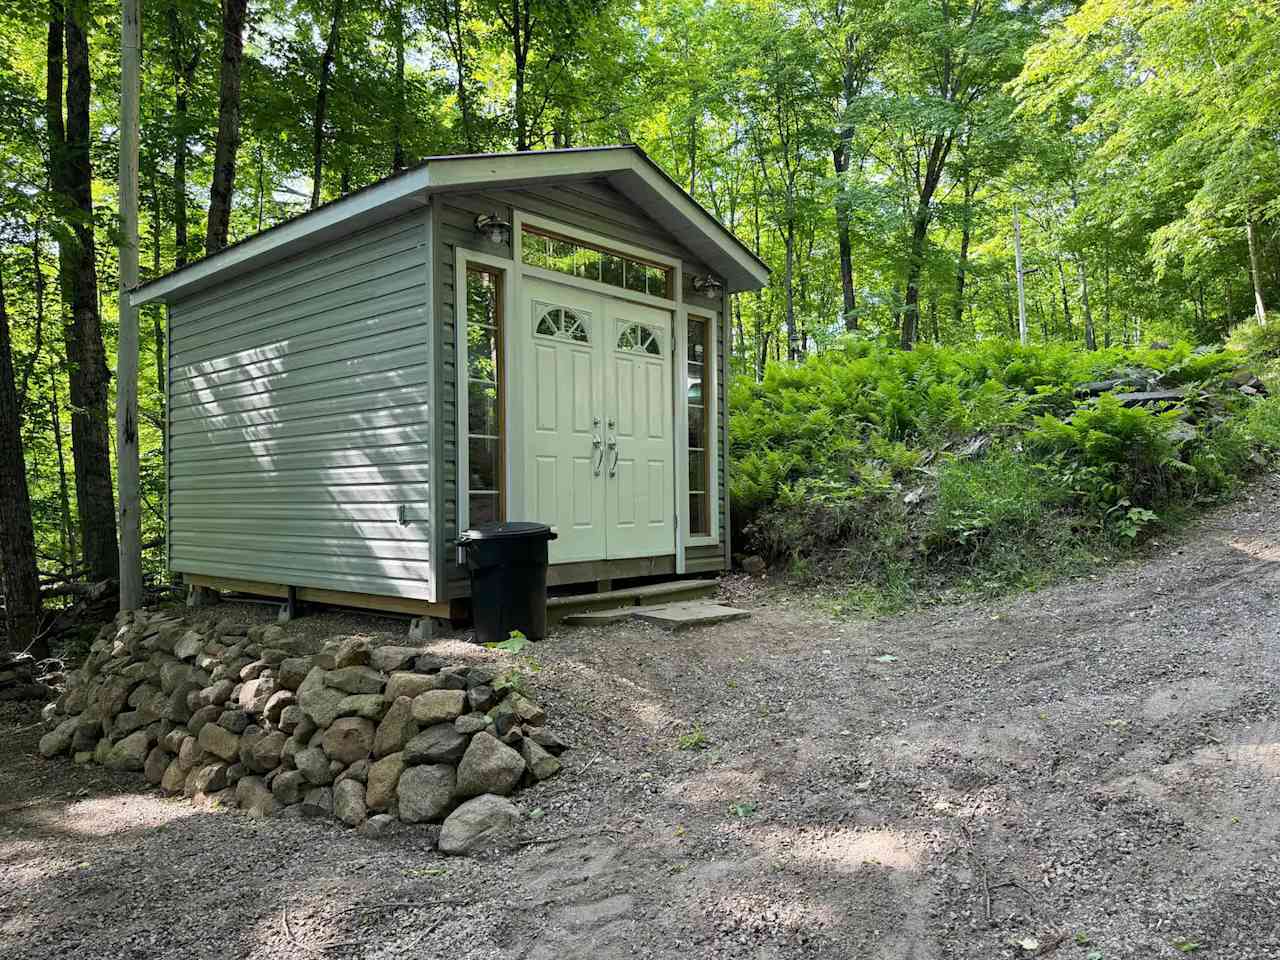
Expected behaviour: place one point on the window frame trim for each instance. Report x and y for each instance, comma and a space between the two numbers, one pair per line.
464, 260
711, 424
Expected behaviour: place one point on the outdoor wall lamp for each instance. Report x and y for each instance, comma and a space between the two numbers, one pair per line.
494, 227
708, 285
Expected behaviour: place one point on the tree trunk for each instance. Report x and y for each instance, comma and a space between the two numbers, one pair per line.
1255, 270
789, 287
37, 268
328, 62
1066, 302
962, 263
456, 36
1090, 336
849, 305
521, 55
72, 176
183, 74
18, 572
397, 149
69, 554
915, 267
228, 144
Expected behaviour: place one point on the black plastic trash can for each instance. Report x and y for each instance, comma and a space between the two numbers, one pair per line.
508, 564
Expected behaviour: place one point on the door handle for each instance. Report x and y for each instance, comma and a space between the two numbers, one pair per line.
597, 447
613, 448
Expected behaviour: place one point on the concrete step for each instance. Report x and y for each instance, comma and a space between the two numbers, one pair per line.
670, 616
558, 608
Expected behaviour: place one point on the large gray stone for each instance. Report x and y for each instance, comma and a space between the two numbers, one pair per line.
209, 714
265, 753
439, 706
318, 802
190, 753
480, 823
436, 744
255, 694
293, 671
426, 793
396, 729
210, 778
405, 684
279, 701
356, 679
390, 658
58, 740
318, 701
384, 775
220, 742
254, 797
175, 775
540, 763
371, 706
314, 766
348, 740
289, 787
216, 694
488, 766
349, 803
156, 764
131, 752
353, 652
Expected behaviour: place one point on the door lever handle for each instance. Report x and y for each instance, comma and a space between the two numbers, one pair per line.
597, 447
613, 447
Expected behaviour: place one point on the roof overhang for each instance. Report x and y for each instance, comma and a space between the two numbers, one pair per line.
626, 168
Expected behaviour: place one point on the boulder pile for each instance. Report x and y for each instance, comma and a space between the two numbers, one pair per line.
19, 679
231, 715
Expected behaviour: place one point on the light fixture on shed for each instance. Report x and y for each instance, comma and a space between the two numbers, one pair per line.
494, 227
707, 285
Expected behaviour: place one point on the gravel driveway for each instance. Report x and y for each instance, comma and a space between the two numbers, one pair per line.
1092, 771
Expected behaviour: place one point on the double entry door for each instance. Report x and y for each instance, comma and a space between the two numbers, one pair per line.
598, 460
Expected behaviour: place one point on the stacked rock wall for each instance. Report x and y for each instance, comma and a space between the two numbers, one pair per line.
371, 735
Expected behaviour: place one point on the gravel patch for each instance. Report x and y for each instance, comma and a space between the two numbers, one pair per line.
1087, 771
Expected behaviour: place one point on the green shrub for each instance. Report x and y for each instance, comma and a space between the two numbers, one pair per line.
1107, 453
890, 472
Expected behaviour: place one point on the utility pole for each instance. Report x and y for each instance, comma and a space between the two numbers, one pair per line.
127, 345
1022, 288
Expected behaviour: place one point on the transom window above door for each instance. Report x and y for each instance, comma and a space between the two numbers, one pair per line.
563, 323
637, 338
579, 259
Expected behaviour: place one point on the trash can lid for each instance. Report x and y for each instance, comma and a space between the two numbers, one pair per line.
514, 530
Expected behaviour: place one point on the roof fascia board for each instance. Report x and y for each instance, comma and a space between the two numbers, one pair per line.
399, 193
627, 168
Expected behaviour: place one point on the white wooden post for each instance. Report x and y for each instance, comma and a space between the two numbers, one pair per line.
127, 345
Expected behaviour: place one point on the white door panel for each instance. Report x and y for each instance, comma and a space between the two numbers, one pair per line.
562, 394
641, 477
597, 397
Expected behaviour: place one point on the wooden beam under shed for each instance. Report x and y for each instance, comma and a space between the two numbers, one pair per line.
338, 598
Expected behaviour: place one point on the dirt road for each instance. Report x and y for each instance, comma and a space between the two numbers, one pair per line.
1091, 771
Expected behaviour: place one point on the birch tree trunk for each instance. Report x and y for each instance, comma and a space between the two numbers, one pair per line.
1090, 336
228, 143
1255, 269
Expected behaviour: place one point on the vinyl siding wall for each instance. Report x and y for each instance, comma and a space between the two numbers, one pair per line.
588, 205
299, 411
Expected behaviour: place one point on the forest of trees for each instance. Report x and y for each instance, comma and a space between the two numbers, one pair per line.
876, 153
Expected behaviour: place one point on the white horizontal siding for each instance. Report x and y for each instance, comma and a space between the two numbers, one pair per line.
299, 421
